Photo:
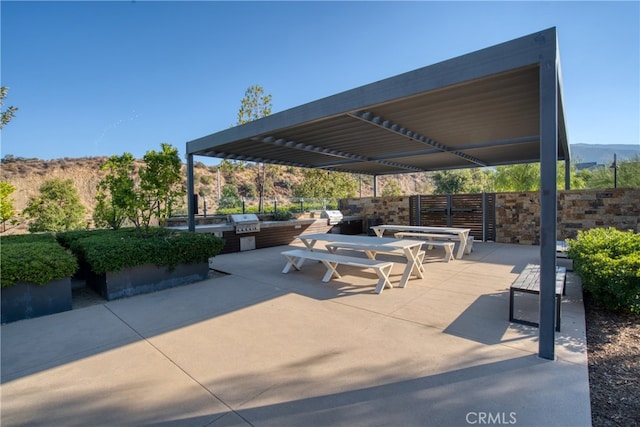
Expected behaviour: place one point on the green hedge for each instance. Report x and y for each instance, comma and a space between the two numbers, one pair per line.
608, 261
35, 258
111, 250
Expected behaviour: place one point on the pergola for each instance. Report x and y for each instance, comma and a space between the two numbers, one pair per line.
496, 106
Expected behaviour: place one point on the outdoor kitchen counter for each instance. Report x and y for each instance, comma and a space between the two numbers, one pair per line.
274, 233
212, 228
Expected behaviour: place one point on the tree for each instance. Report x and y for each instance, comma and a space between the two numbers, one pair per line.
449, 182
391, 188
57, 208
253, 106
526, 177
229, 198
628, 175
522, 177
322, 184
160, 184
7, 210
9, 113
139, 194
116, 194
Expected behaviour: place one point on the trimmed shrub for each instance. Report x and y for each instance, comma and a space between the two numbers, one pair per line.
282, 216
35, 259
608, 261
114, 250
28, 238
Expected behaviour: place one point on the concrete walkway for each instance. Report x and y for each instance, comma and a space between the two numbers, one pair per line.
261, 348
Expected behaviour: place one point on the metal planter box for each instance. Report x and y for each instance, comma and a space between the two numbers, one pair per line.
146, 278
27, 300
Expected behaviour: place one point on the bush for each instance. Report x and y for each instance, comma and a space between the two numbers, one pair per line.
608, 261
282, 216
28, 238
111, 250
57, 208
35, 259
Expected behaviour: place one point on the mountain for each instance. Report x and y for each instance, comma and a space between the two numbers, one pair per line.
603, 153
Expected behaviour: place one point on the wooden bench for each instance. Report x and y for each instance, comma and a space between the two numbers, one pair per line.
331, 261
429, 240
561, 249
529, 282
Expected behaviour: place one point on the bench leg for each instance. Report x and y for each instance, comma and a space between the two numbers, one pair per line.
448, 252
511, 305
291, 262
468, 248
511, 310
413, 266
558, 302
331, 271
420, 267
383, 274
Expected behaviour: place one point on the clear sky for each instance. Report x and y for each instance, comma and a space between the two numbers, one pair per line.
104, 78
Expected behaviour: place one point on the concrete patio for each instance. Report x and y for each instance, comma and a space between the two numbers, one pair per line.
260, 348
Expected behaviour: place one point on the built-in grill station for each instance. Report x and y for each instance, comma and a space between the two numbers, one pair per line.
245, 223
334, 217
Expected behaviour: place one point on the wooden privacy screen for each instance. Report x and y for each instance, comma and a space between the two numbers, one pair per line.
474, 211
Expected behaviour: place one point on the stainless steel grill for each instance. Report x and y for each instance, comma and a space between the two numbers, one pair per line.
334, 217
245, 223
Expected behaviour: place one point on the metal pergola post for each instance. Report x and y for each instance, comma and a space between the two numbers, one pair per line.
548, 197
191, 209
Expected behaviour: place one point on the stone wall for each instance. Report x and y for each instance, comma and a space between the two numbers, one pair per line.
389, 210
518, 214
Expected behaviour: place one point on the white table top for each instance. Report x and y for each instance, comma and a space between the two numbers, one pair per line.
382, 242
425, 229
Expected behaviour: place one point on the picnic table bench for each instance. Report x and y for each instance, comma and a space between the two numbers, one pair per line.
371, 245
429, 240
371, 252
529, 282
332, 260
455, 234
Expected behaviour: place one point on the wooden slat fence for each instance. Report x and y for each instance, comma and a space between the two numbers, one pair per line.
473, 211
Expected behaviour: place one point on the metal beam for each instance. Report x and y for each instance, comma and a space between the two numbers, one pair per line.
388, 125
311, 148
499, 142
350, 157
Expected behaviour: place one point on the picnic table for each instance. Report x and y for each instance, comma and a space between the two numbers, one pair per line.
460, 235
370, 245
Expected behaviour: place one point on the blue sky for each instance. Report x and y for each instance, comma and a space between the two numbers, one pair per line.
104, 78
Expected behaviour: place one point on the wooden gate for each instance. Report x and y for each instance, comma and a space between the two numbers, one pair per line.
473, 211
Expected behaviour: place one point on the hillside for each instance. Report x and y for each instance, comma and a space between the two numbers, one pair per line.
27, 175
